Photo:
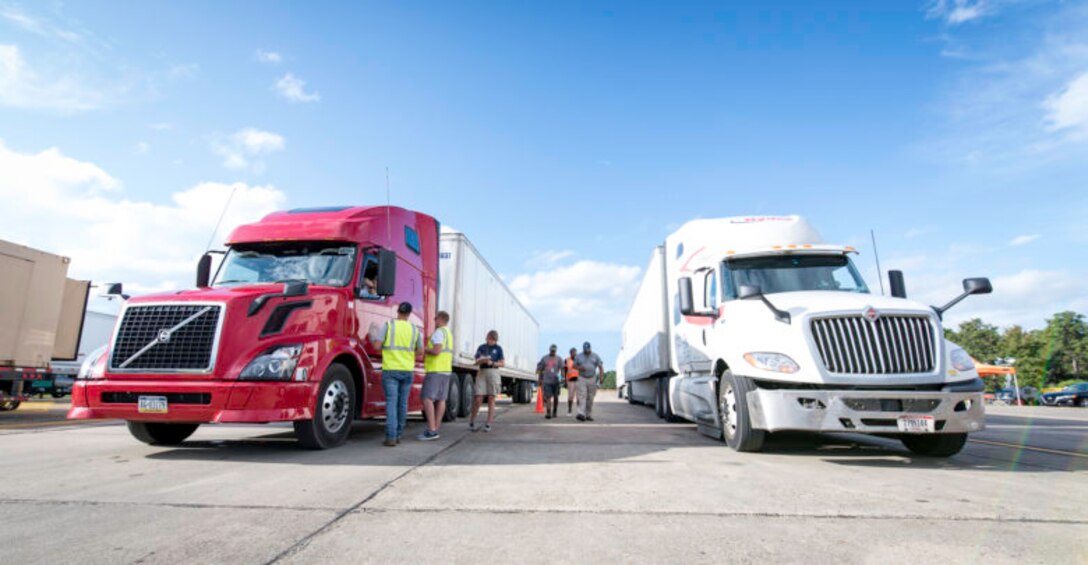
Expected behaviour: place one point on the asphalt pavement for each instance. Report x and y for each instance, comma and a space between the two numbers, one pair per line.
627, 488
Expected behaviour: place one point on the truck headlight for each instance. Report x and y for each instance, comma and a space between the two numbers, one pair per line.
94, 366
961, 361
276, 364
776, 362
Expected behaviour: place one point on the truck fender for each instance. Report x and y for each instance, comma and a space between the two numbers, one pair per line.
340, 351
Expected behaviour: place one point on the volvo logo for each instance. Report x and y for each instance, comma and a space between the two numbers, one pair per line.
871, 314
164, 336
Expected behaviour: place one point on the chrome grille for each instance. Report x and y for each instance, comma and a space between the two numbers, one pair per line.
887, 346
141, 343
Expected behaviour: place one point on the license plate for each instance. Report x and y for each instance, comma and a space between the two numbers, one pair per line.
917, 424
152, 405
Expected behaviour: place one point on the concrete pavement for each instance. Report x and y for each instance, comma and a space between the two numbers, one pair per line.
628, 487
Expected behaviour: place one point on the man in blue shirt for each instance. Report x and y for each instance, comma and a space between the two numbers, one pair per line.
489, 359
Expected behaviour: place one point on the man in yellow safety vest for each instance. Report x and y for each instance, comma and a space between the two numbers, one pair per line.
438, 364
399, 349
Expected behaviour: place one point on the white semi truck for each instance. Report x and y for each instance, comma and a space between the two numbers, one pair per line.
753, 325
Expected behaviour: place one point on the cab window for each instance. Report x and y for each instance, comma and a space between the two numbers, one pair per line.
368, 276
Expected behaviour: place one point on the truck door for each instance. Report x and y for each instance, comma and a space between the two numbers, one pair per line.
371, 313
695, 399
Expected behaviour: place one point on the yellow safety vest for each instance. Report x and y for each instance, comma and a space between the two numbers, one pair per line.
443, 362
399, 347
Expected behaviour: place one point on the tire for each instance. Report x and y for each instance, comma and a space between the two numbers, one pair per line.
733, 415
9, 405
468, 392
939, 445
666, 401
453, 400
58, 394
1083, 403
334, 411
659, 399
159, 433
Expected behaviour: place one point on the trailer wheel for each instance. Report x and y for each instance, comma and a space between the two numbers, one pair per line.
939, 445
657, 399
453, 400
468, 390
733, 414
158, 433
333, 413
666, 401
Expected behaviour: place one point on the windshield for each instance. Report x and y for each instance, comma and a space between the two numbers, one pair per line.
792, 273
328, 263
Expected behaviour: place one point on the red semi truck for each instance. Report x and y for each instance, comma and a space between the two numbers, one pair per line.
290, 329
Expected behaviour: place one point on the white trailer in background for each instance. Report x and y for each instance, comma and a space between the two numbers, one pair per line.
478, 301
752, 325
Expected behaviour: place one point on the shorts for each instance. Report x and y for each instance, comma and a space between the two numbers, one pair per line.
436, 386
488, 382
551, 389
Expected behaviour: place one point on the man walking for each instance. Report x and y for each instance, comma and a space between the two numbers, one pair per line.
591, 371
489, 359
438, 363
399, 349
572, 380
549, 373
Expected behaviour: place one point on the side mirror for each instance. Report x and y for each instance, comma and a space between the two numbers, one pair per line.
980, 285
296, 288
204, 271
113, 290
747, 291
387, 273
687, 302
897, 285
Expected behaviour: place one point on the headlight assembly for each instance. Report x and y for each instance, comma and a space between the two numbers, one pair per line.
94, 365
776, 362
961, 361
276, 364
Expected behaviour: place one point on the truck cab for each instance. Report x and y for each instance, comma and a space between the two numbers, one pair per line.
289, 328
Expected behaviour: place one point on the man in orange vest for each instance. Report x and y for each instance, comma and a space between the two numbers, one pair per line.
571, 373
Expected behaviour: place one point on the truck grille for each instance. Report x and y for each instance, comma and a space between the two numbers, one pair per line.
166, 338
887, 346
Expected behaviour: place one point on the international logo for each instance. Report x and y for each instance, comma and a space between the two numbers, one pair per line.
871, 314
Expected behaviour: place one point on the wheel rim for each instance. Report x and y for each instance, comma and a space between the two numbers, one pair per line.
728, 409
334, 407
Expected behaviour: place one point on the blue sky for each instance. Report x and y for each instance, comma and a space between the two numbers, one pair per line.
565, 138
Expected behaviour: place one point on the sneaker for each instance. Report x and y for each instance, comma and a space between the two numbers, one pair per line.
589, 418
428, 435
398, 440
472, 427
547, 416
389, 443
487, 427
581, 418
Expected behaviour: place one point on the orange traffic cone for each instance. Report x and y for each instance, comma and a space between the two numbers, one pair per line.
539, 400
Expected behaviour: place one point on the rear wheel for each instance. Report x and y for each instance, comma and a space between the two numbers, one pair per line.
940, 445
659, 399
1083, 403
158, 433
453, 400
468, 391
333, 413
733, 414
9, 405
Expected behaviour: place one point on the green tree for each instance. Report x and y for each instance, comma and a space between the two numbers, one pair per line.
609, 380
980, 339
1067, 336
1028, 348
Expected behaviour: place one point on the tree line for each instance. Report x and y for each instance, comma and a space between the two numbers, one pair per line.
1052, 356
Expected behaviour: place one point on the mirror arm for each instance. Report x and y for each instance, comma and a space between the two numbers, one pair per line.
780, 315
941, 310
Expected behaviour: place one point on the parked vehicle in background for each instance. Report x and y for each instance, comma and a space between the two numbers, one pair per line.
1028, 396
751, 325
1073, 395
290, 328
98, 324
41, 314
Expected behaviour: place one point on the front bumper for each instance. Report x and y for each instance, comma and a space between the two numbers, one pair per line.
863, 411
195, 401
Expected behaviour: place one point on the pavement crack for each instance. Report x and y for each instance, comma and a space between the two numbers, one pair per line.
198, 506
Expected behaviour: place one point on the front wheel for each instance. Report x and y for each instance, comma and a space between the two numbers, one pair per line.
733, 415
9, 405
1083, 403
333, 413
158, 433
940, 445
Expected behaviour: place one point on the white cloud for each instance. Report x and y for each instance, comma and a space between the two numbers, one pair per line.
142, 148
270, 57
292, 88
550, 258
955, 12
22, 86
584, 296
161, 126
111, 237
243, 149
1024, 239
1068, 109
42, 27
1026, 298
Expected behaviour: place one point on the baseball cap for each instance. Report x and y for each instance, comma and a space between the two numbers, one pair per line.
585, 346
404, 308
553, 347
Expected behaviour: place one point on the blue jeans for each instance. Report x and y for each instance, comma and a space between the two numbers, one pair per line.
397, 385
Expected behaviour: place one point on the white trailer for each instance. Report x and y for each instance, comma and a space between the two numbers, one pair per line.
479, 301
752, 325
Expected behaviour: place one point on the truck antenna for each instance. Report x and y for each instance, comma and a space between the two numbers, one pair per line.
876, 256
388, 220
221, 216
